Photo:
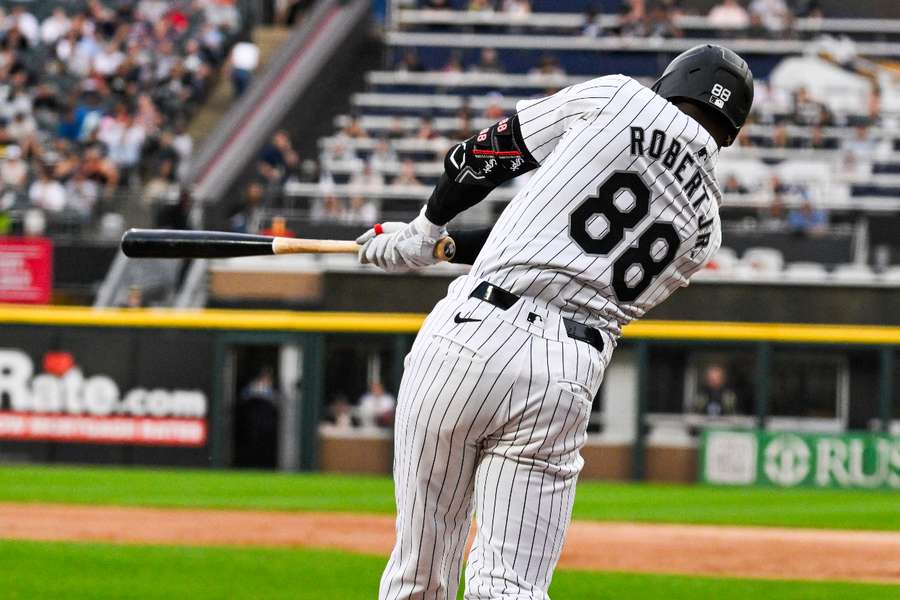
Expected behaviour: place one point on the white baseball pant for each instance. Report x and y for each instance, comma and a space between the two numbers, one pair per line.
492, 413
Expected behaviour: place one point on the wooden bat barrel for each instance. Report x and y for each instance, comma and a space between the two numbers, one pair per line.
176, 243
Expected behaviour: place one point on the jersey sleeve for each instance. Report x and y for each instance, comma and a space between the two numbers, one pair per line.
544, 121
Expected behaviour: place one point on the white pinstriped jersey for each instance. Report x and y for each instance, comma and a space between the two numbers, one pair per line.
622, 211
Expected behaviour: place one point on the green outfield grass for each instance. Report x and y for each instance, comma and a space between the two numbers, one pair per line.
595, 501
80, 571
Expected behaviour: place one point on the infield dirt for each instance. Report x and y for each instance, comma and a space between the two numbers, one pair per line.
810, 554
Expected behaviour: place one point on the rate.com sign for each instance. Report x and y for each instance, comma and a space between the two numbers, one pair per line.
63, 404
867, 461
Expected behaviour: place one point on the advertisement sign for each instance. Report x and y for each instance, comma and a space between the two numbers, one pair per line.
26, 270
864, 460
64, 404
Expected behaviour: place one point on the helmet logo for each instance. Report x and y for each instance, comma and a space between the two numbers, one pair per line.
720, 95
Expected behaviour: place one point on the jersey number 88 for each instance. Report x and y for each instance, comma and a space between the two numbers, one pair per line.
641, 254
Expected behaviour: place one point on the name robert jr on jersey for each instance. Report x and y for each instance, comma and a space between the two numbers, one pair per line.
657, 149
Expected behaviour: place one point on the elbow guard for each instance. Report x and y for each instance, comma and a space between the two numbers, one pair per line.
497, 154
478, 165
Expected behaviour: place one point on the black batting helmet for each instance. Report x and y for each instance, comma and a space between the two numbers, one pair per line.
713, 76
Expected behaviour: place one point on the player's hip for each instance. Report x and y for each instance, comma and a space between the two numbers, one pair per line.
487, 300
501, 370
484, 321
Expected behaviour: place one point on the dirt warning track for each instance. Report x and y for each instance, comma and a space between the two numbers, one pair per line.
651, 548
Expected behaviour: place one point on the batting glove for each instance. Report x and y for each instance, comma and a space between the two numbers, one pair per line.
401, 246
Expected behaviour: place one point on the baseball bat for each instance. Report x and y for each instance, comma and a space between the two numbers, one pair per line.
176, 243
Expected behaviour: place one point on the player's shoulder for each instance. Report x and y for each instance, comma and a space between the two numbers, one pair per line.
616, 81
619, 87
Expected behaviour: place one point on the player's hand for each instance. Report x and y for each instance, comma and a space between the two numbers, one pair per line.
401, 246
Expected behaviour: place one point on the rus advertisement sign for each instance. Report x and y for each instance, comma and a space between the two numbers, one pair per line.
26, 270
57, 401
868, 461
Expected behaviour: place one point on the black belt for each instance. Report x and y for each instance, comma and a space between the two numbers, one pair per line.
500, 298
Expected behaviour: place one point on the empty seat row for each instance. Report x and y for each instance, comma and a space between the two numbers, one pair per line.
769, 263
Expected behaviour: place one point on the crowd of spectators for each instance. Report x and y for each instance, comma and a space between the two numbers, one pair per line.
788, 119
659, 18
278, 164
95, 97
753, 18
382, 169
798, 121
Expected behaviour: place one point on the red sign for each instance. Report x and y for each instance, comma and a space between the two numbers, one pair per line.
26, 269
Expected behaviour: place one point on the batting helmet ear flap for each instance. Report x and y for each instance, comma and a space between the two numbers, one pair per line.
712, 76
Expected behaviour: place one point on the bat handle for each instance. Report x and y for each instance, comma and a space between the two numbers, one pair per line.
445, 249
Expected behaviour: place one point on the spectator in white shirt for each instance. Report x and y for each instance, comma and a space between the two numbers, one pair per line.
77, 54
147, 114
13, 170
22, 128
212, 39
383, 156
111, 126
222, 13
88, 46
55, 26
27, 24
107, 60
193, 60
47, 193
376, 408
82, 194
407, 174
243, 61
368, 180
126, 144
517, 7
164, 60
184, 146
18, 98
152, 10
361, 211
859, 151
729, 15
773, 14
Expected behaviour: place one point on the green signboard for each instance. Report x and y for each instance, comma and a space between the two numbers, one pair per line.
870, 461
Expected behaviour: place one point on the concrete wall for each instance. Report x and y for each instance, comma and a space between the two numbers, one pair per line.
609, 462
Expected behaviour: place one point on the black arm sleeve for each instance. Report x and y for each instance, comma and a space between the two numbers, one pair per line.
469, 243
476, 166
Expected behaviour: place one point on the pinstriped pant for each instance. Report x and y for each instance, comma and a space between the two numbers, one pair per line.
491, 416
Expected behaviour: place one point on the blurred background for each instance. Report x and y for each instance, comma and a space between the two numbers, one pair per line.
319, 118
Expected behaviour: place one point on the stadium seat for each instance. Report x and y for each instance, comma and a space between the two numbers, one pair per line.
723, 261
891, 275
853, 273
805, 272
763, 260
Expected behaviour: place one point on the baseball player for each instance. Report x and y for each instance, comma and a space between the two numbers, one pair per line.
621, 210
